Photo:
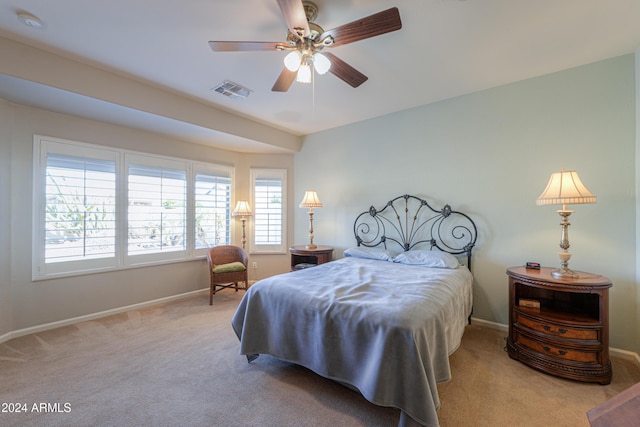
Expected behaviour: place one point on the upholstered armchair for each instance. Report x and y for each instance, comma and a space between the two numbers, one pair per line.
227, 267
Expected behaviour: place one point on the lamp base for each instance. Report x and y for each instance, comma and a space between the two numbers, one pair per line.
311, 246
564, 273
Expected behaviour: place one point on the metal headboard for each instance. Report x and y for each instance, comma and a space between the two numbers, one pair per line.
408, 221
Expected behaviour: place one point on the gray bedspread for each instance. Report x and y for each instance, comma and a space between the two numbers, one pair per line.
384, 328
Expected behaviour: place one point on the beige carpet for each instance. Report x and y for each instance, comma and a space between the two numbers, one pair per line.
177, 364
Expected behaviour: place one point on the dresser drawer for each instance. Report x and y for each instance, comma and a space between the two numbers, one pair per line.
549, 328
556, 351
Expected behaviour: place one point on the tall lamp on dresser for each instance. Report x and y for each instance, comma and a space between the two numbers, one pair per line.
311, 201
559, 318
565, 188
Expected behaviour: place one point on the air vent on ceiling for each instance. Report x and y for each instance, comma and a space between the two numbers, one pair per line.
232, 90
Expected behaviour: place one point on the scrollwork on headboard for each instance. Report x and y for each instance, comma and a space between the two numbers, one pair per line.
409, 221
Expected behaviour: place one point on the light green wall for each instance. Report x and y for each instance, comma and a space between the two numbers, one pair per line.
490, 154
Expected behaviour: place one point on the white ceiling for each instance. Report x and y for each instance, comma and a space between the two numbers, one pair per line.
446, 48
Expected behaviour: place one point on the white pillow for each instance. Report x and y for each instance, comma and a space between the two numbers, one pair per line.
428, 259
370, 253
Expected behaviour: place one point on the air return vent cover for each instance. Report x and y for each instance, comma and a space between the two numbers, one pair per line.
232, 90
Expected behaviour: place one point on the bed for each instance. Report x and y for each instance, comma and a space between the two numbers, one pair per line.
383, 319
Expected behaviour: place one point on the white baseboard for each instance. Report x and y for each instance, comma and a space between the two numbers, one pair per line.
92, 316
491, 325
622, 354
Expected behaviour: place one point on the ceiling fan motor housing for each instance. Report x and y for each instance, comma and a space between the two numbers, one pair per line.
311, 10
315, 30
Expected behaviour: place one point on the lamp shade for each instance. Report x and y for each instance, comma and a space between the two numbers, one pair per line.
292, 60
321, 63
310, 200
565, 188
304, 73
242, 209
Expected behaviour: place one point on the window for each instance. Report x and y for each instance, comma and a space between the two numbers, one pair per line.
80, 206
212, 205
98, 208
157, 205
269, 200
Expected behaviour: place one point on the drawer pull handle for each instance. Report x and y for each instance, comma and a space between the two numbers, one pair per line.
560, 330
548, 350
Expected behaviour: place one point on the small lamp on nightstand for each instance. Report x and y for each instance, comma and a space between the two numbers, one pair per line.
310, 201
565, 188
243, 210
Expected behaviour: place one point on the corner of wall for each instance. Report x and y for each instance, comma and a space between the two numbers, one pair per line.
637, 196
6, 313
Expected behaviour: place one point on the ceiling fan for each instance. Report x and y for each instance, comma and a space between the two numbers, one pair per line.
306, 40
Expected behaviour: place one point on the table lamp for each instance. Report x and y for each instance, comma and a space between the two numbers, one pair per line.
565, 188
243, 210
310, 201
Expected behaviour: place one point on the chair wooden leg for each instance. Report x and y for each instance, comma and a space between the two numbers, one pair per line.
211, 292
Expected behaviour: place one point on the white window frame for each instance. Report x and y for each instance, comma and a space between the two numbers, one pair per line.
132, 259
266, 173
42, 145
217, 170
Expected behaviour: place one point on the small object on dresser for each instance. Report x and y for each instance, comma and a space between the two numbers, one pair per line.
531, 303
533, 265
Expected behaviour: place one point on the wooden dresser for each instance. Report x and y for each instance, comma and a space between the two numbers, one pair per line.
560, 326
303, 257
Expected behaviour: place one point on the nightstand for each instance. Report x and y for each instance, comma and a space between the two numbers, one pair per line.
560, 326
301, 257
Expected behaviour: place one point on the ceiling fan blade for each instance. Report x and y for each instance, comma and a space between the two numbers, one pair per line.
294, 15
245, 46
370, 26
344, 71
284, 81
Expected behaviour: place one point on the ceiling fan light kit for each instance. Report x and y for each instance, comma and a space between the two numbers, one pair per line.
296, 59
306, 40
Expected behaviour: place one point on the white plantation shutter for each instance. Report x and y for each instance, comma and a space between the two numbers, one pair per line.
99, 208
80, 208
269, 198
212, 209
157, 212
268, 215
